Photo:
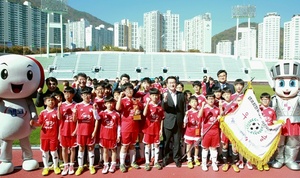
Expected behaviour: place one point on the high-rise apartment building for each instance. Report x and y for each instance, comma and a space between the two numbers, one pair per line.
126, 34
170, 31
198, 33
269, 37
291, 44
246, 43
153, 32
224, 47
22, 25
76, 33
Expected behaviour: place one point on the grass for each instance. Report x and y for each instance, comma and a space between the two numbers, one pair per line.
258, 89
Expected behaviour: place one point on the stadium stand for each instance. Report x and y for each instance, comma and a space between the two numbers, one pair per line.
187, 66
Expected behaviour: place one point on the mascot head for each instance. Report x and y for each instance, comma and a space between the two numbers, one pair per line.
20, 76
286, 75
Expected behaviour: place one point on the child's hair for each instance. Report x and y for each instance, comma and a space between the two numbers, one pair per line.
135, 82
109, 99
154, 91
193, 98
216, 89
107, 85
75, 77
265, 95
210, 94
180, 83
99, 84
125, 75
69, 90
81, 74
146, 79
50, 96
127, 85
57, 93
117, 90
226, 90
66, 82
86, 90
52, 79
197, 83
239, 81
186, 92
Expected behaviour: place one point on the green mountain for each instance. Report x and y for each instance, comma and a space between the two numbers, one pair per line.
73, 14
229, 34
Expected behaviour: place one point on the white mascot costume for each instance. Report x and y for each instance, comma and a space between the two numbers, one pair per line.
286, 102
19, 79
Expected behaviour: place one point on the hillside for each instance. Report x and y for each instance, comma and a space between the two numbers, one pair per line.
73, 14
229, 34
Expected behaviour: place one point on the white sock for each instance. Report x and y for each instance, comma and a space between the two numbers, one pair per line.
152, 150
214, 155
147, 155
122, 157
204, 156
54, 158
91, 157
80, 158
132, 154
156, 155
45, 158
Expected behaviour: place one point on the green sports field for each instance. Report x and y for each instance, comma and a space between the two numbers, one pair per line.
258, 89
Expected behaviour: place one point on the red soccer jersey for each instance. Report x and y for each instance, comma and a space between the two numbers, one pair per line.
201, 98
109, 122
100, 103
203, 86
49, 122
67, 125
142, 95
157, 85
269, 114
229, 106
233, 96
155, 115
128, 124
192, 123
85, 119
209, 116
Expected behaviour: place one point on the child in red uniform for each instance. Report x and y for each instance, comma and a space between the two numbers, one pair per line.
226, 106
49, 134
210, 114
84, 115
109, 123
192, 133
153, 127
269, 115
67, 130
130, 115
197, 90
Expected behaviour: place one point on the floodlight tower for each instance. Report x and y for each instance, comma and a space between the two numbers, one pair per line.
50, 7
243, 12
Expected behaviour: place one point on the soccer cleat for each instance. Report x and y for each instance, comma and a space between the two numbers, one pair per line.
204, 167
92, 169
225, 167
266, 167
249, 165
71, 169
65, 170
122, 168
235, 168
190, 164
57, 170
215, 167
105, 169
147, 167
79, 171
240, 164
197, 162
134, 165
45, 171
158, 166
112, 168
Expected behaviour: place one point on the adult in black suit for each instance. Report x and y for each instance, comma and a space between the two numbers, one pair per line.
222, 81
174, 106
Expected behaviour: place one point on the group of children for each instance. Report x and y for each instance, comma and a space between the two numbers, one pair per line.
118, 119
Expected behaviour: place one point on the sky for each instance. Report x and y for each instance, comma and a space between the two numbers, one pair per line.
112, 11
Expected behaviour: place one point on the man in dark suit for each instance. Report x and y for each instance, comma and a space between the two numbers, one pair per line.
174, 106
222, 81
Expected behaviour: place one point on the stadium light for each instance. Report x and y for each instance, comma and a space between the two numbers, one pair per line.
165, 70
51, 68
138, 69
246, 70
204, 70
96, 69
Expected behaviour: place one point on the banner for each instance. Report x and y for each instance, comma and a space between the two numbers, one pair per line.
248, 131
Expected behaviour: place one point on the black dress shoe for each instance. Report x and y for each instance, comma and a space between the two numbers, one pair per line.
178, 164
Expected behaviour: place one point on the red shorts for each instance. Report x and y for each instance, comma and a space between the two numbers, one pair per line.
129, 138
49, 144
108, 144
150, 139
68, 141
84, 140
224, 139
211, 141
